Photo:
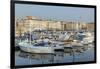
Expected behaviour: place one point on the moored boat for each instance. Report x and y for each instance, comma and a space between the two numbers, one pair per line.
36, 48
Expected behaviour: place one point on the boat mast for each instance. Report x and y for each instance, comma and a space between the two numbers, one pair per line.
30, 33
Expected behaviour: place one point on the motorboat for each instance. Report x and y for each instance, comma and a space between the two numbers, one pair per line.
76, 43
88, 39
58, 46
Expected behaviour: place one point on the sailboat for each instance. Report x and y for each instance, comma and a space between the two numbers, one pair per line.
36, 48
30, 46
42, 46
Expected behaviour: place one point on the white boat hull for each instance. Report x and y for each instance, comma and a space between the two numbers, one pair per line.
37, 49
76, 44
88, 40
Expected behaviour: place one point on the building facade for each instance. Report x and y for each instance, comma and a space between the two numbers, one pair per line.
25, 24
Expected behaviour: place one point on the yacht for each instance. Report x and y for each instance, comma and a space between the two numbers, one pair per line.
40, 46
36, 47
88, 39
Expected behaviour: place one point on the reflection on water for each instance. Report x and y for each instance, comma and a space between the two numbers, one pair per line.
68, 55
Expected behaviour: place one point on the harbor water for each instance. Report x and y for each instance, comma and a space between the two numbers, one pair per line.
66, 56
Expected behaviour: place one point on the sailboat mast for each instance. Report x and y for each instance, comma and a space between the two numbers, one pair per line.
30, 32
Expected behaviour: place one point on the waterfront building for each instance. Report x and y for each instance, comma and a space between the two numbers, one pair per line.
24, 24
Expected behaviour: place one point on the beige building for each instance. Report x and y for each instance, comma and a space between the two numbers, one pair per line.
90, 26
30, 23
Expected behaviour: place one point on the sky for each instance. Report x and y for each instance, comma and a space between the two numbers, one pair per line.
55, 12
